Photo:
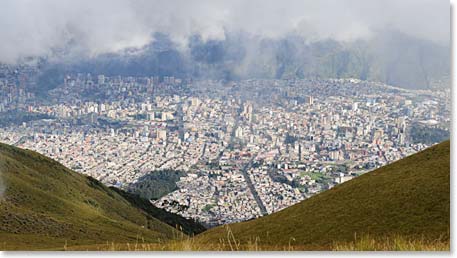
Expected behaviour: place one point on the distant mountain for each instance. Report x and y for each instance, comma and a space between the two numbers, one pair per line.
393, 58
408, 198
47, 206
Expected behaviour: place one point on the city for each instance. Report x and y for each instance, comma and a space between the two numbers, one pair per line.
246, 148
224, 125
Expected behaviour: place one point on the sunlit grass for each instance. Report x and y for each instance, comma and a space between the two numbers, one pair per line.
231, 243
395, 243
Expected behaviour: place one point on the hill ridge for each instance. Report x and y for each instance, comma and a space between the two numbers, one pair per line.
410, 197
46, 205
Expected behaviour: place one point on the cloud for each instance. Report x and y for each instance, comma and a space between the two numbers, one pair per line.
40, 28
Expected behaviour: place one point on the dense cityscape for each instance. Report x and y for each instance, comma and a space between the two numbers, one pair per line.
246, 148
226, 126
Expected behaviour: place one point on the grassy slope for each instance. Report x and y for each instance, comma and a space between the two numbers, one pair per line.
47, 205
188, 226
410, 198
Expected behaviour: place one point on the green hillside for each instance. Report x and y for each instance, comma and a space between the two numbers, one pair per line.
409, 199
47, 206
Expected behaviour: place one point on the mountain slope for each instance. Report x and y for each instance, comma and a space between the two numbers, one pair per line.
188, 226
46, 205
410, 198
393, 58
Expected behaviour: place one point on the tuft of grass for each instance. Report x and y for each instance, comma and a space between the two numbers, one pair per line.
394, 243
231, 243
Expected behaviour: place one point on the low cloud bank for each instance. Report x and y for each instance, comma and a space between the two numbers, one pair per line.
43, 28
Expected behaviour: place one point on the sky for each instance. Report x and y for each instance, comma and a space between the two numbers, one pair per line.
34, 28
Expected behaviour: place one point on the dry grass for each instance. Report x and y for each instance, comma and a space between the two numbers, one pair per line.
46, 205
231, 243
410, 197
395, 243
182, 242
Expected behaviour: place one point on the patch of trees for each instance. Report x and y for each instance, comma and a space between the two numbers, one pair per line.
428, 135
156, 184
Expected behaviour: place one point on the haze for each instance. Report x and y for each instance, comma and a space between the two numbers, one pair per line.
42, 28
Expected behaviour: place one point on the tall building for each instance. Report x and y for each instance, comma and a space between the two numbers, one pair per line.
377, 136
247, 111
239, 132
309, 100
161, 135
101, 79
195, 102
355, 106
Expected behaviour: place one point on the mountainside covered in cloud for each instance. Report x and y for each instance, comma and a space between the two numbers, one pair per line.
404, 43
393, 58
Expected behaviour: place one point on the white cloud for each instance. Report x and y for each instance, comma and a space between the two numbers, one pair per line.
37, 28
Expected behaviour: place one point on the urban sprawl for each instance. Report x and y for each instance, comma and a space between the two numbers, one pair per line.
247, 148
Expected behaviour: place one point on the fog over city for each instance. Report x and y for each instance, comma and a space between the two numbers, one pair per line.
41, 28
